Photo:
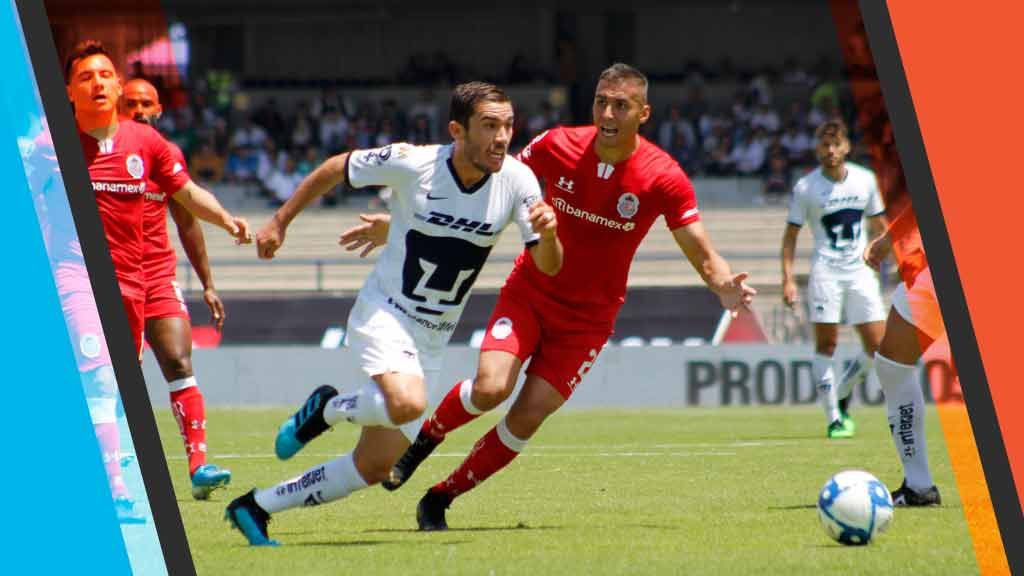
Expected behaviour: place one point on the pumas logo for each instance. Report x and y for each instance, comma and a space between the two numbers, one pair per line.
135, 166
565, 184
628, 205
604, 171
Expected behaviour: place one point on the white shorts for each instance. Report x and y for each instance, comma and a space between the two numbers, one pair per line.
919, 305
859, 295
386, 343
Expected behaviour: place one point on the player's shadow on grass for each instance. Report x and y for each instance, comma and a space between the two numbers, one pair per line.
515, 528
794, 507
346, 543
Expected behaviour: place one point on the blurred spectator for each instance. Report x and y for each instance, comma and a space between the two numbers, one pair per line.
748, 155
309, 161
676, 126
282, 182
249, 135
777, 181
268, 159
206, 165
682, 151
385, 135
362, 137
719, 161
334, 131
765, 117
303, 132
545, 117
242, 166
798, 144
426, 106
268, 116
420, 132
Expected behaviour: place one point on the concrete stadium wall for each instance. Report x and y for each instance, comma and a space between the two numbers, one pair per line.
622, 377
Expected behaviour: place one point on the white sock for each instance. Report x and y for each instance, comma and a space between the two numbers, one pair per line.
365, 407
823, 371
905, 402
510, 440
322, 483
181, 384
855, 373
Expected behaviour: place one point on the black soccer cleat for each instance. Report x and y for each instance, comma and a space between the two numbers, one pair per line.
430, 511
304, 425
246, 516
844, 406
410, 461
904, 496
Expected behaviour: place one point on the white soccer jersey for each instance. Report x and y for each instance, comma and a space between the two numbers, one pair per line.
836, 213
441, 232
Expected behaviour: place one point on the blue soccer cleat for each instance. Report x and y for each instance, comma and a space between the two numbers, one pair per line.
246, 516
126, 511
208, 478
304, 425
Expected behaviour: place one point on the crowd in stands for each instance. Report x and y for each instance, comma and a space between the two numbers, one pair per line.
270, 148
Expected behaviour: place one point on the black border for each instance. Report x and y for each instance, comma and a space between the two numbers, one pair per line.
946, 277
134, 397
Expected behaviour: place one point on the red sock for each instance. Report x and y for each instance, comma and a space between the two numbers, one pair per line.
109, 438
489, 455
187, 405
451, 413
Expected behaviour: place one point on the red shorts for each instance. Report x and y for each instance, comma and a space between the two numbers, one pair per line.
562, 348
136, 321
164, 300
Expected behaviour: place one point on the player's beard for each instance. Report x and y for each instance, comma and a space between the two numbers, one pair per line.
151, 119
477, 156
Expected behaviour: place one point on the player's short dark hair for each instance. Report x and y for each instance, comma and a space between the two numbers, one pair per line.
83, 49
834, 127
620, 72
466, 96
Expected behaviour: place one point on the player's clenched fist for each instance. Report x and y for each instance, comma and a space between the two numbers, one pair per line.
269, 239
239, 228
542, 219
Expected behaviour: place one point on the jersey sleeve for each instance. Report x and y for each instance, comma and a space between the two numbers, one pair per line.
537, 154
385, 166
527, 194
875, 206
680, 206
796, 215
166, 171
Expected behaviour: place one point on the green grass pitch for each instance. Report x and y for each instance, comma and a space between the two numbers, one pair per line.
727, 491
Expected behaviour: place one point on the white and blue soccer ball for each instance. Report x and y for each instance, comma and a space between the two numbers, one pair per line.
854, 507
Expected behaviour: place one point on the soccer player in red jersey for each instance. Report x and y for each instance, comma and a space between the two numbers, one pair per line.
608, 185
168, 328
122, 157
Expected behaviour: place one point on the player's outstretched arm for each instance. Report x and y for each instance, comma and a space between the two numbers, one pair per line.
328, 175
192, 240
547, 253
731, 289
204, 205
373, 232
790, 292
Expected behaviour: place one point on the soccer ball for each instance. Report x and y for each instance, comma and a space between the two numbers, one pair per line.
854, 506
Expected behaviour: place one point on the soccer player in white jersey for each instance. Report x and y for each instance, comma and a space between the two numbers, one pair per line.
448, 206
836, 200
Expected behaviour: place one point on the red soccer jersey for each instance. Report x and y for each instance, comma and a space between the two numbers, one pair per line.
159, 262
119, 168
604, 211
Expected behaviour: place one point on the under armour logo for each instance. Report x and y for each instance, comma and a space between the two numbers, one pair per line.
565, 184
604, 171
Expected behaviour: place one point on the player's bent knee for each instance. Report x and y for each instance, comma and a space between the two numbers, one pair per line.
487, 394
176, 368
406, 406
